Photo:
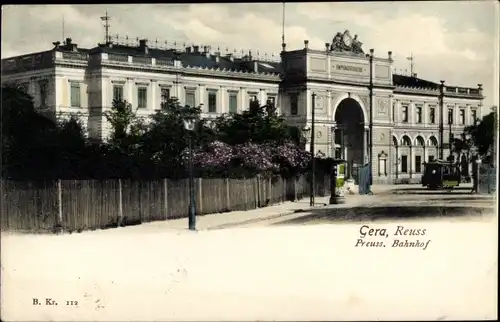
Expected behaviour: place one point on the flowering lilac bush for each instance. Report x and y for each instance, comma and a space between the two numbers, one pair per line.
257, 158
290, 155
215, 155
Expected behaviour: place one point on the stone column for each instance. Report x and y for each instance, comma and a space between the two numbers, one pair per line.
153, 90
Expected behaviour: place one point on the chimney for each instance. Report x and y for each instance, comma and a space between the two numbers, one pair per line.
68, 42
188, 49
143, 45
217, 57
196, 49
255, 66
327, 46
56, 44
414, 75
390, 55
306, 44
231, 57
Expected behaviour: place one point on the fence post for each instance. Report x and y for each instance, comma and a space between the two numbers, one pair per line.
257, 190
200, 201
295, 197
245, 192
59, 225
269, 192
120, 203
165, 196
228, 203
283, 185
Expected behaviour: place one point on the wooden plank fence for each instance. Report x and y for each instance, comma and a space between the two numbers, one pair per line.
72, 205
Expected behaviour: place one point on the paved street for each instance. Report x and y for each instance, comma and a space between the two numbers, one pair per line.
388, 202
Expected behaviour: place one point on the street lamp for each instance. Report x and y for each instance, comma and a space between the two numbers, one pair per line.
313, 161
450, 121
189, 125
370, 57
441, 115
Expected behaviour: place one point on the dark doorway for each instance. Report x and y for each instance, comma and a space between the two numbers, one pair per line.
350, 135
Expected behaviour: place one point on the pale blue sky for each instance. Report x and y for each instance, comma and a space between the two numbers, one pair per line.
453, 41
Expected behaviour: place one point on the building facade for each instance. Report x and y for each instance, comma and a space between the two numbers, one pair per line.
410, 119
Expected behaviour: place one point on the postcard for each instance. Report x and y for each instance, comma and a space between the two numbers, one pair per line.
250, 161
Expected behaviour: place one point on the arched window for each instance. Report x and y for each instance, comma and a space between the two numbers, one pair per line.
419, 141
406, 141
394, 141
433, 141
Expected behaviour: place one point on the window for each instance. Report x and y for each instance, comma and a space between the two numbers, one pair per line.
462, 116
404, 164
294, 104
212, 102
252, 98
271, 101
142, 97
405, 114
118, 93
430, 158
190, 98
418, 164
450, 116
394, 112
233, 102
473, 115
75, 94
419, 114
432, 115
165, 95
43, 93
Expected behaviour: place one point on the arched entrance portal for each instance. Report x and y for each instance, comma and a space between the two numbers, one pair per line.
350, 135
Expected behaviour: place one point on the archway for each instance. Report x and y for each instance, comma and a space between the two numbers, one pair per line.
433, 149
350, 135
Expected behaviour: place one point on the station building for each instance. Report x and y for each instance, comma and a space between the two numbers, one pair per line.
350, 92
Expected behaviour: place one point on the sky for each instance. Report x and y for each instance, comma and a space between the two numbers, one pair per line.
452, 41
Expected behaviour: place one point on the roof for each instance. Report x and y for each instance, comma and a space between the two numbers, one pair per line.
192, 59
408, 81
225, 62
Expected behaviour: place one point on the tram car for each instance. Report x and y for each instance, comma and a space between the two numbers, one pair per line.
439, 174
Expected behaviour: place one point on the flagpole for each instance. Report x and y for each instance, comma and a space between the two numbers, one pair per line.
283, 25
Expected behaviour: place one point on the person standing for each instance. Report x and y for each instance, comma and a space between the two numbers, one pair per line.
475, 176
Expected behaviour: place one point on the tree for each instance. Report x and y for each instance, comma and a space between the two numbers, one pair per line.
72, 148
27, 137
482, 133
462, 145
125, 125
166, 138
258, 124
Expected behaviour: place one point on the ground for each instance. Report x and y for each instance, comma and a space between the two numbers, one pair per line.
267, 266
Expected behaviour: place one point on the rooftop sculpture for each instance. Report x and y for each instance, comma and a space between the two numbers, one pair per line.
346, 43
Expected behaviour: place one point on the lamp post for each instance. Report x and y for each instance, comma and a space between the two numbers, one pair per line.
189, 125
370, 125
441, 114
450, 138
311, 149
